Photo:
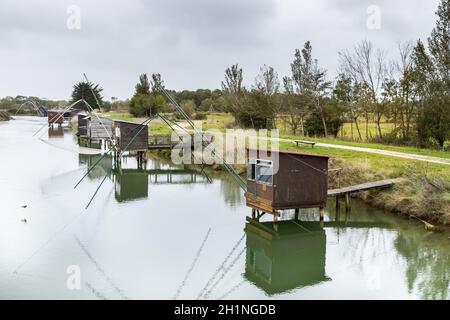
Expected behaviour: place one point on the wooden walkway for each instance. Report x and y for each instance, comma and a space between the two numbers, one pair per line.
346, 191
363, 187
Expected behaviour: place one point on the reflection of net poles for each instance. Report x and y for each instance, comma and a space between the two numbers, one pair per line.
231, 290
220, 268
205, 143
191, 268
99, 268
225, 271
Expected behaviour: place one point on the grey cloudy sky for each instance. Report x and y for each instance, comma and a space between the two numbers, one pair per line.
189, 42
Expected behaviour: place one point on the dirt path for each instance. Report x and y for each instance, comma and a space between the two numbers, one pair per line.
397, 154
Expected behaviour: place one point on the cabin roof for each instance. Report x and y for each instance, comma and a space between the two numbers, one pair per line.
291, 153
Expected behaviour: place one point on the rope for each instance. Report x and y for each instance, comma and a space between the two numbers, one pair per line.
306, 164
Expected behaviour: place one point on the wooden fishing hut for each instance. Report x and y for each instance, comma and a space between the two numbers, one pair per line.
99, 128
55, 117
284, 180
82, 125
130, 136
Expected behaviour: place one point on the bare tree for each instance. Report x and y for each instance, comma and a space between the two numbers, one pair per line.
368, 67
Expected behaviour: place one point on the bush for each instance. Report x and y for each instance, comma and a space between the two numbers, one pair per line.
200, 116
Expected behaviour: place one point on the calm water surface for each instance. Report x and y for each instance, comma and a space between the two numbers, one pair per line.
153, 235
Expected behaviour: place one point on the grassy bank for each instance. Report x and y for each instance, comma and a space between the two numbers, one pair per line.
4, 116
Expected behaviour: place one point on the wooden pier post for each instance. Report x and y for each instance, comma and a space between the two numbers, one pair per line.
347, 201
296, 213
321, 210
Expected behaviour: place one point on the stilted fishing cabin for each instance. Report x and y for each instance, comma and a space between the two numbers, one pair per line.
94, 131
284, 180
55, 117
130, 136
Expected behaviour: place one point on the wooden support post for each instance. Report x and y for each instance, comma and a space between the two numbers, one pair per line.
253, 213
321, 210
337, 202
347, 201
296, 214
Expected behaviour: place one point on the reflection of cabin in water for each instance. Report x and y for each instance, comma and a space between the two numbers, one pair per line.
284, 180
130, 136
130, 184
289, 256
57, 132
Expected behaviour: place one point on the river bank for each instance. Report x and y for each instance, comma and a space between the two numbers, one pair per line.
4, 116
423, 194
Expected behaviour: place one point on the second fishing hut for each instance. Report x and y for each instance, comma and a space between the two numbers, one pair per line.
283, 180
130, 136
93, 130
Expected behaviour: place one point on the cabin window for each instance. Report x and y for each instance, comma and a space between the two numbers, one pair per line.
251, 169
264, 172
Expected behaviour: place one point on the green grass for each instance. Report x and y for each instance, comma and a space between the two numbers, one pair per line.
125, 116
382, 165
159, 129
370, 145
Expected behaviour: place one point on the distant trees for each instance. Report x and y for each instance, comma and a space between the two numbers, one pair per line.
89, 92
147, 100
255, 108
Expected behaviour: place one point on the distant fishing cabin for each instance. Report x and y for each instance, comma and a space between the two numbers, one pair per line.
301, 181
55, 117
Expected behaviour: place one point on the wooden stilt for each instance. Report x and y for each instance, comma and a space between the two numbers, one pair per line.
296, 214
321, 210
347, 201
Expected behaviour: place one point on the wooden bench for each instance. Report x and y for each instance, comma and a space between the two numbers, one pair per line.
312, 144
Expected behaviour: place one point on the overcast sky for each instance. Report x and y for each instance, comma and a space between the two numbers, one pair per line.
189, 42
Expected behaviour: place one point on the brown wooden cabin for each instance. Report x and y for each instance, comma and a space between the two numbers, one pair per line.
55, 116
301, 181
124, 132
99, 128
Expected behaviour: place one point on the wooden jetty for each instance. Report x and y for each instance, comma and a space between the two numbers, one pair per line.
346, 191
